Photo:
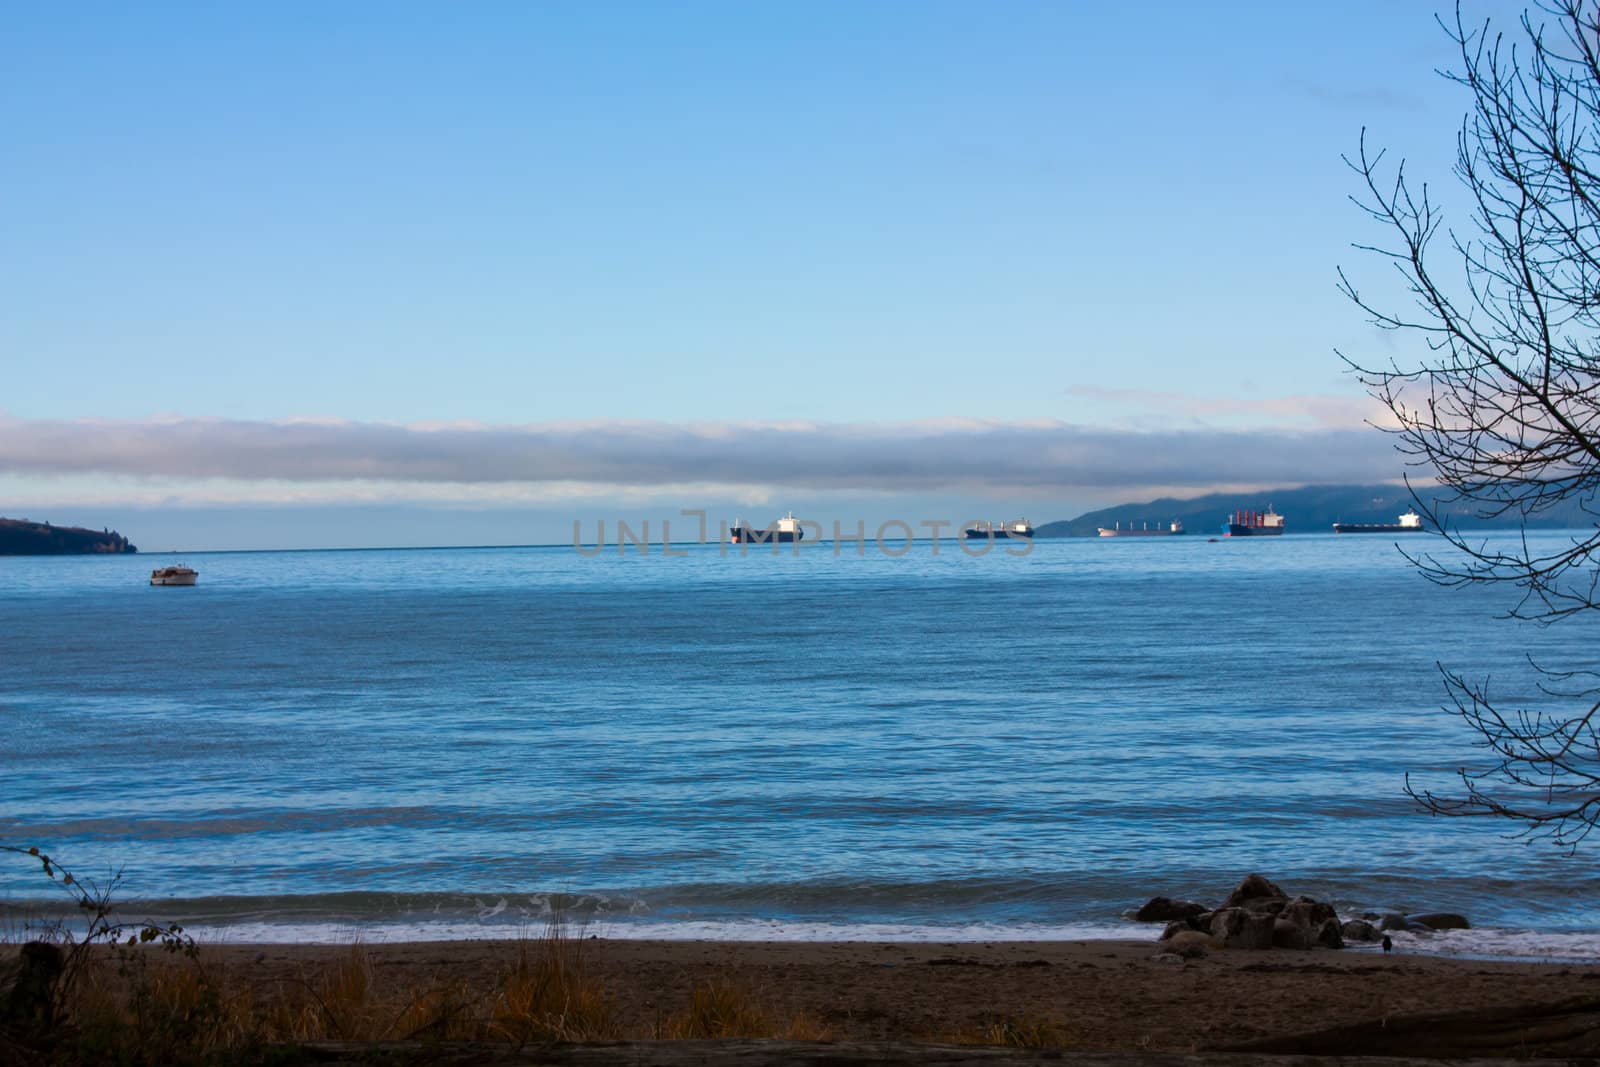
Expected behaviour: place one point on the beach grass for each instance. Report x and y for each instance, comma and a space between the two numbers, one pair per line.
132, 1005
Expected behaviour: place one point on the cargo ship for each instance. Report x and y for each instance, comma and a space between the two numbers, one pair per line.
785, 531
998, 531
1251, 523
1410, 522
1168, 530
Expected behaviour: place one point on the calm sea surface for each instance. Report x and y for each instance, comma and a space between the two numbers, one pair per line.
452, 742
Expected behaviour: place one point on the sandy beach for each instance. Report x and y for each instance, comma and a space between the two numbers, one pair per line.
1096, 995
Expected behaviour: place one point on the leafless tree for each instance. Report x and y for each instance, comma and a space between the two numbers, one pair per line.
1500, 413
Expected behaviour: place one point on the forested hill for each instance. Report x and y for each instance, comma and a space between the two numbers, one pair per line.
1306, 510
19, 537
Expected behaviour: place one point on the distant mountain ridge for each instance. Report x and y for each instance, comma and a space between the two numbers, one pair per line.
19, 537
1311, 509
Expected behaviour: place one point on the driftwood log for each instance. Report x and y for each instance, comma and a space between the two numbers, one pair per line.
752, 1053
1569, 1029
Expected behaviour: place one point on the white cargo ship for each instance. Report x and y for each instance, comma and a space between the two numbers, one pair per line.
1410, 522
1116, 530
785, 531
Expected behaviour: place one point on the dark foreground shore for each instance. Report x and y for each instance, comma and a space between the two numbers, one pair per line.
1098, 995
660, 1001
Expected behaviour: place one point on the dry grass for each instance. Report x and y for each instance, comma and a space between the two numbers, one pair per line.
145, 1007
717, 1009
439, 1013
804, 1027
1012, 1032
549, 994
136, 1008
154, 1011
343, 997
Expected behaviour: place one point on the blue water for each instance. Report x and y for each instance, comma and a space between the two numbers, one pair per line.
924, 745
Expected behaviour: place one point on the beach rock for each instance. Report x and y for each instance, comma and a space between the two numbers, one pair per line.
1359, 930
1175, 927
1272, 906
1329, 934
1238, 928
1299, 913
1307, 912
1287, 934
1440, 920
1254, 887
1190, 944
1257, 932
1168, 958
1162, 909
1391, 921
1226, 922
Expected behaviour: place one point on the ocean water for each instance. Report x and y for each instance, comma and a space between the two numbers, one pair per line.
445, 743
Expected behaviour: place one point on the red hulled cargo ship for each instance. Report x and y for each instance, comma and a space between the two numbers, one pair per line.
1251, 523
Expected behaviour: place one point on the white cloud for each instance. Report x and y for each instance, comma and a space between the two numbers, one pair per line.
306, 459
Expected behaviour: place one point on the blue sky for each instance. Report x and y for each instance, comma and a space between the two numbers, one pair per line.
854, 221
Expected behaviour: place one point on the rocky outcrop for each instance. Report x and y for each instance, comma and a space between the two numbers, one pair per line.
1258, 914
19, 537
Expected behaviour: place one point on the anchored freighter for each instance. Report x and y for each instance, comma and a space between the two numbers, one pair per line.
998, 531
1251, 523
785, 531
1116, 530
1410, 522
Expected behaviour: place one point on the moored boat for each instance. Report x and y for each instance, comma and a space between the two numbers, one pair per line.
175, 575
1410, 522
1252, 523
1020, 530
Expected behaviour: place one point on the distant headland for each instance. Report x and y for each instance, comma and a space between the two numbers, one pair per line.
19, 537
1311, 509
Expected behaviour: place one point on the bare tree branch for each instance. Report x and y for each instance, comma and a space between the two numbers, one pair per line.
1503, 411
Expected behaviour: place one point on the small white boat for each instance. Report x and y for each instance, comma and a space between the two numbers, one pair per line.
178, 575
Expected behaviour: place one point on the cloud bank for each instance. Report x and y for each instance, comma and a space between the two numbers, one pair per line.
967, 455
